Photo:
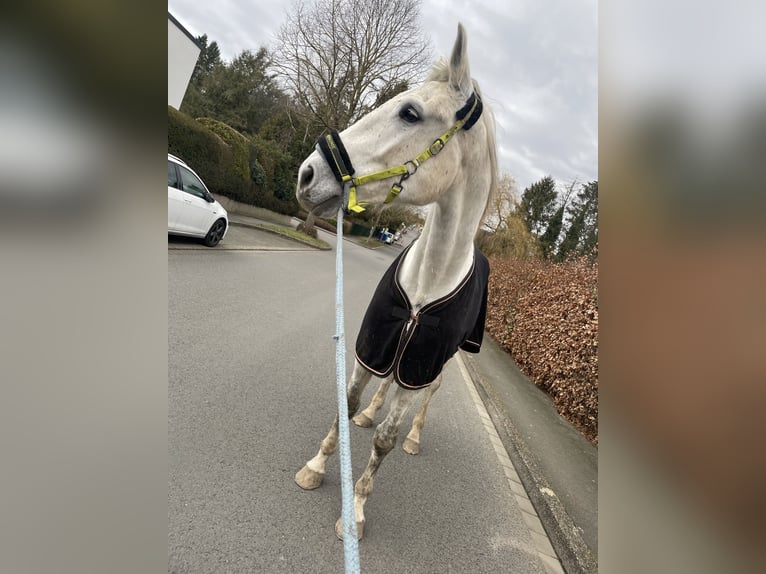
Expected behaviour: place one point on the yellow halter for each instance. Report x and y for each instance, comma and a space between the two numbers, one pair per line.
332, 149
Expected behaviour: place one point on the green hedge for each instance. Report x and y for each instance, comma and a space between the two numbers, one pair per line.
239, 145
207, 154
254, 171
263, 199
273, 172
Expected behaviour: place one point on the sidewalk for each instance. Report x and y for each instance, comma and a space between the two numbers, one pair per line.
557, 465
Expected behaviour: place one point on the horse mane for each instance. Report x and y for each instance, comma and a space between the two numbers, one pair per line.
440, 73
489, 120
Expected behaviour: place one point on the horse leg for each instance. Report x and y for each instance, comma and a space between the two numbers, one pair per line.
365, 418
411, 444
383, 442
312, 474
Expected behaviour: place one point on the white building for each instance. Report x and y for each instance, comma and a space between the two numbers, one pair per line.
183, 52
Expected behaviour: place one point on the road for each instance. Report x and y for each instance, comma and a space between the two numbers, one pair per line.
251, 394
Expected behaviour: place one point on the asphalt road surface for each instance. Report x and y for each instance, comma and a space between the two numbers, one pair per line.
251, 377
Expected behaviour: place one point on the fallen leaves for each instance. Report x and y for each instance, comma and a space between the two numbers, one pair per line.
546, 316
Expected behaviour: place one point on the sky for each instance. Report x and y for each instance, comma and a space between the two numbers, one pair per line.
535, 60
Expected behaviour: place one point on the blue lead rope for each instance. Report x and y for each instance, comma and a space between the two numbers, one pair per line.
350, 543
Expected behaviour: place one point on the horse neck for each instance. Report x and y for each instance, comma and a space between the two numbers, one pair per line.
443, 254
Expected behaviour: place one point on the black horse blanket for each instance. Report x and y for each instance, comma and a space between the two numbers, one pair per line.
415, 346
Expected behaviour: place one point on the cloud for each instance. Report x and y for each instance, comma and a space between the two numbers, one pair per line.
536, 62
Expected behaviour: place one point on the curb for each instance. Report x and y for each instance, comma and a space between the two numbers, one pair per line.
573, 553
241, 223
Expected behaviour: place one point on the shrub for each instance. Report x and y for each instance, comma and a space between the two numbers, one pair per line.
546, 316
511, 240
206, 153
263, 198
239, 145
272, 170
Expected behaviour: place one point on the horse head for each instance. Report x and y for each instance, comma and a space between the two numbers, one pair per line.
391, 153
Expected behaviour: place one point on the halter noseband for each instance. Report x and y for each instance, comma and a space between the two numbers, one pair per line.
332, 149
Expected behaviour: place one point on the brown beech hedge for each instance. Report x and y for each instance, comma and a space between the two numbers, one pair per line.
546, 316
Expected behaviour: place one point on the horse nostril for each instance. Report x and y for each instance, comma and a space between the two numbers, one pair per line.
306, 176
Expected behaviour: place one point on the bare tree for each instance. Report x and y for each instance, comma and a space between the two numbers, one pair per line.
502, 203
503, 233
338, 57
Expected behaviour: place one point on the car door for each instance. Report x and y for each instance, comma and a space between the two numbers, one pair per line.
195, 214
175, 196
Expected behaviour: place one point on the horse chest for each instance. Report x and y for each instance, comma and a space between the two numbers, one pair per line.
412, 341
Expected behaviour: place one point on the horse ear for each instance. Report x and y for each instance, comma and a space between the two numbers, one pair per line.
459, 71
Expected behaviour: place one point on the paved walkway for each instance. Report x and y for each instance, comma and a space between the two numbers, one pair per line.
556, 464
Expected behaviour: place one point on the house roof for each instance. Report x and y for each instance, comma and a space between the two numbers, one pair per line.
184, 30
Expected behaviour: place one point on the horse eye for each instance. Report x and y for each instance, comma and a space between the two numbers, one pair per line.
409, 115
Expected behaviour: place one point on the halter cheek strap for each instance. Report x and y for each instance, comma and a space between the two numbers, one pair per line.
332, 149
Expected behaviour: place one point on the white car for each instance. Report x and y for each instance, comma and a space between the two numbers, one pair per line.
192, 210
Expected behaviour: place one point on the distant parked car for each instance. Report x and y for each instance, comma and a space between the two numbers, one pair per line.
385, 236
192, 210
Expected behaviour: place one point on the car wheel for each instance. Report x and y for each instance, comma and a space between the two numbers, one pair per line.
215, 234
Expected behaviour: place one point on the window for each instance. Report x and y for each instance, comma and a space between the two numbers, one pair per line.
191, 183
173, 176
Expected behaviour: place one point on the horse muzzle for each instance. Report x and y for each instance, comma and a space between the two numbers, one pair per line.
317, 191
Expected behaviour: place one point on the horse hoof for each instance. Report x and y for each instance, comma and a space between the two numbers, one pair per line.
362, 420
339, 529
308, 479
410, 446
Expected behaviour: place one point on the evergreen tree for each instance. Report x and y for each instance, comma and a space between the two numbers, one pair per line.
581, 237
243, 93
572, 236
209, 58
195, 102
590, 237
552, 232
538, 205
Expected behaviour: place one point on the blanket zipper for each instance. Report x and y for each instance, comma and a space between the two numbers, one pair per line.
413, 320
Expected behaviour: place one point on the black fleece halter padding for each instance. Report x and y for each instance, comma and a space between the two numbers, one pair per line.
462, 112
335, 154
